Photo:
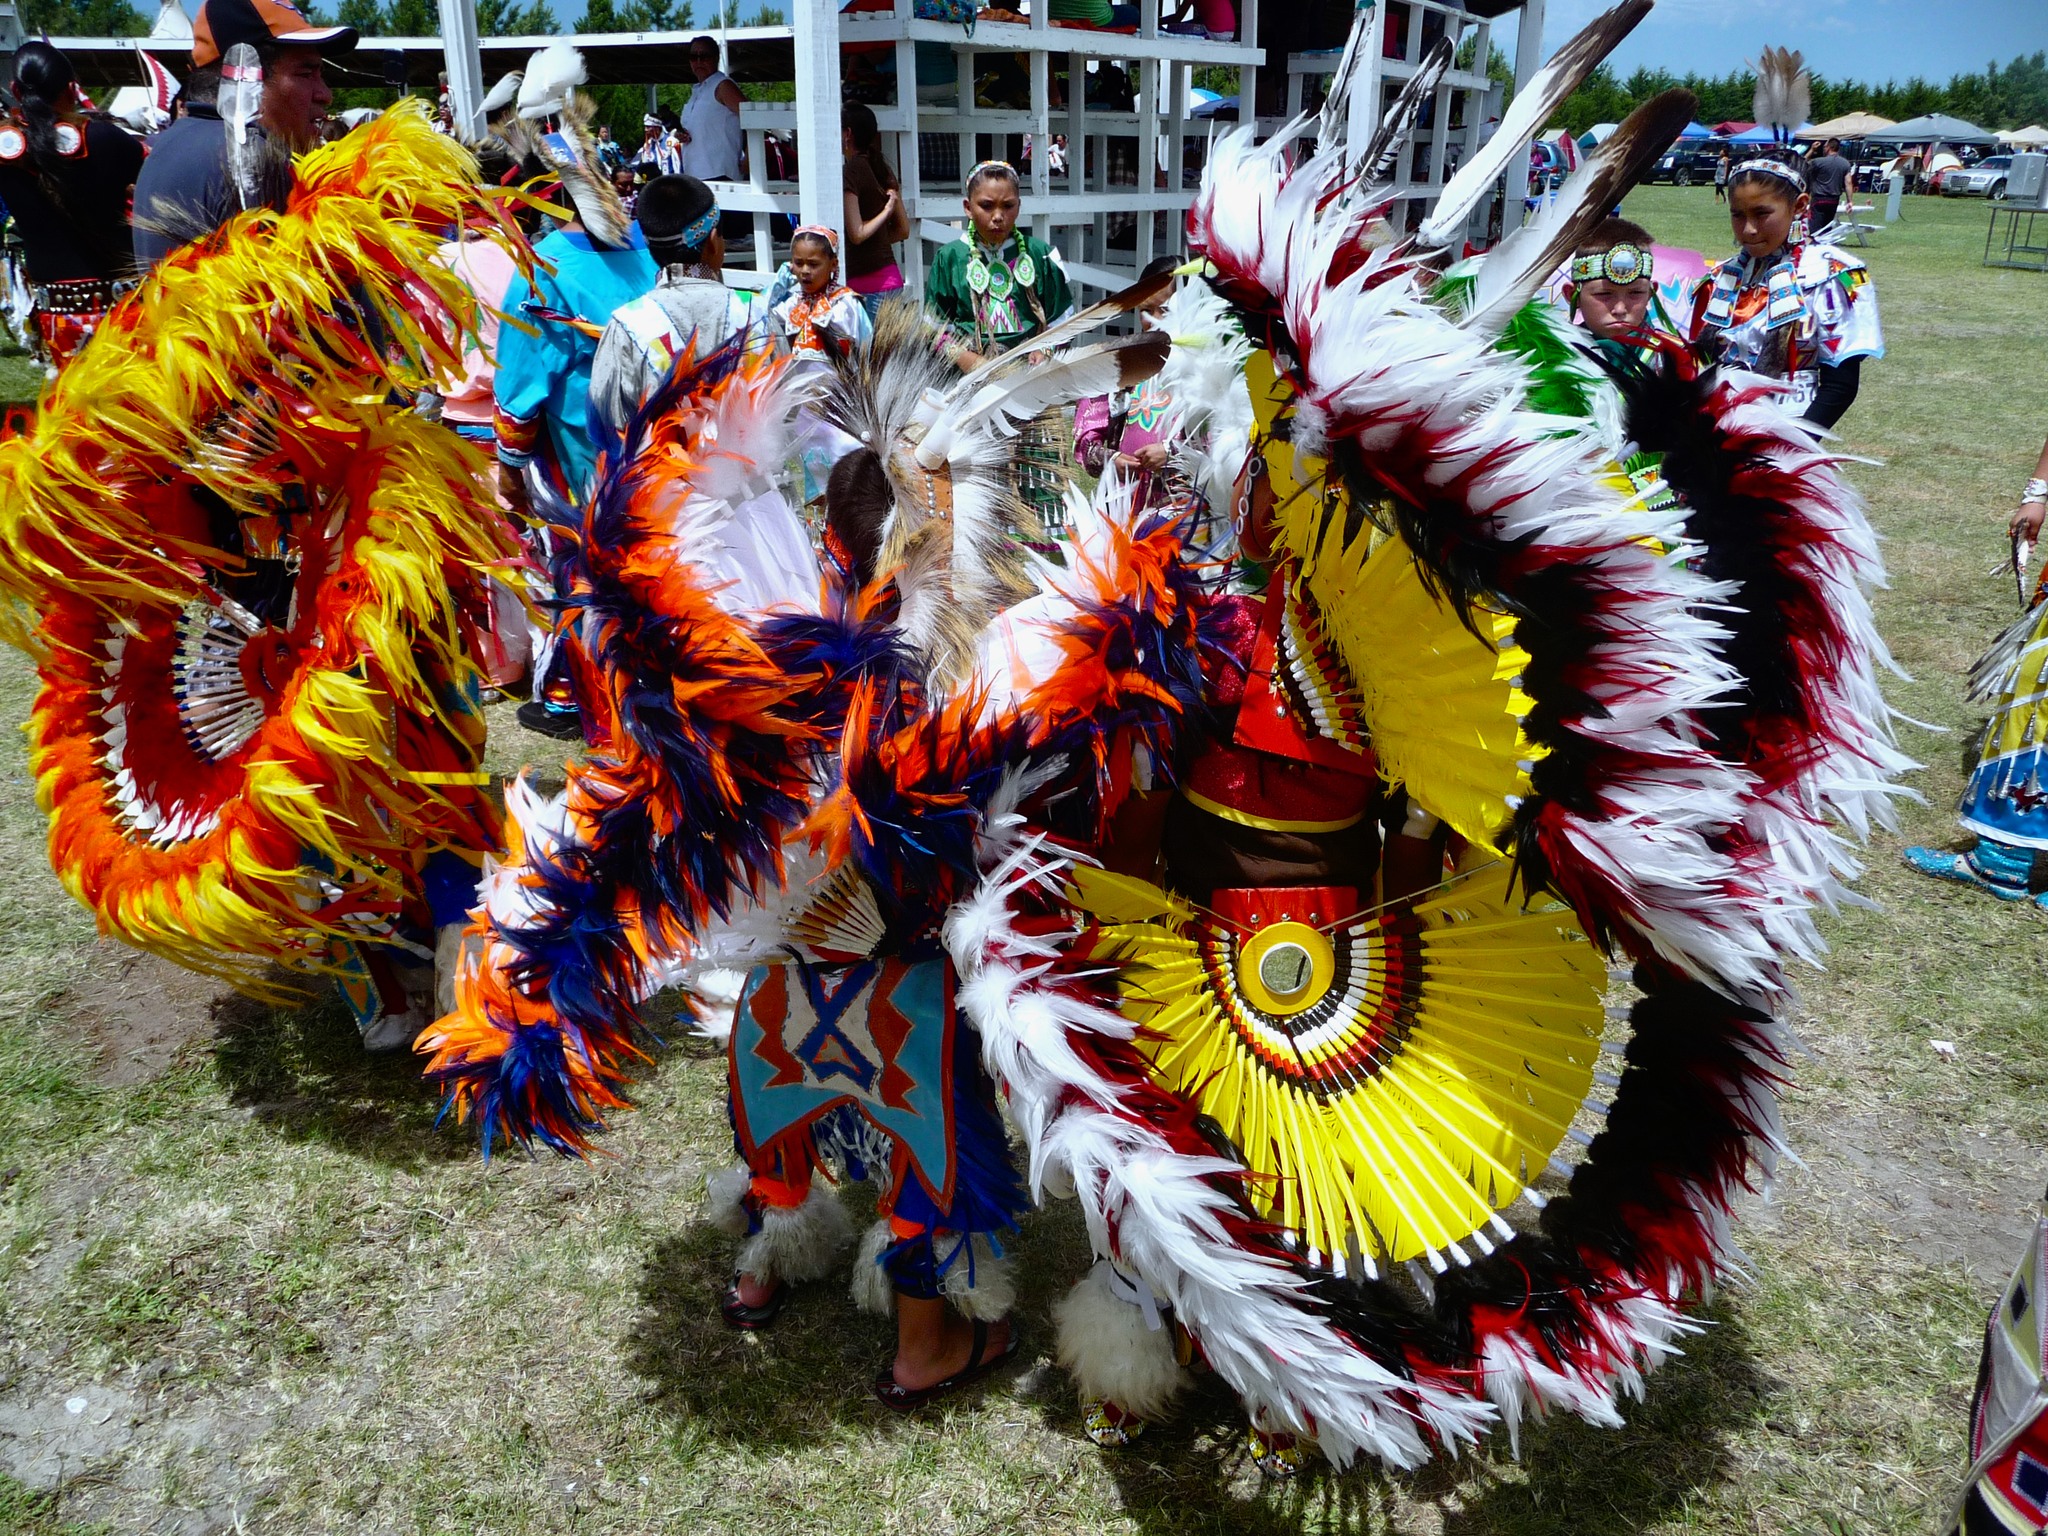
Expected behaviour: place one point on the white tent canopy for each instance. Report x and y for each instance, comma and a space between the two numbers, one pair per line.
1850, 125
2034, 137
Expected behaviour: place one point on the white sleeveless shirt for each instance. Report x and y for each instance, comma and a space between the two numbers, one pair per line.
713, 153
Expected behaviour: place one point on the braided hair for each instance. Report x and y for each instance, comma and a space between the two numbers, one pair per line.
45, 90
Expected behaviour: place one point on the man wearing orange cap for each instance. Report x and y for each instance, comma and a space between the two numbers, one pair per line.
185, 189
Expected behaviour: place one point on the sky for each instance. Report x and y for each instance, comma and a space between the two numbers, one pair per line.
1868, 40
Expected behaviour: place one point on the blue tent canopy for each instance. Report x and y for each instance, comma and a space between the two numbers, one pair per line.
1760, 135
1696, 131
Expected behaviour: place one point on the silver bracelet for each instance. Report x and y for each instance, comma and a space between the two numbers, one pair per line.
2037, 490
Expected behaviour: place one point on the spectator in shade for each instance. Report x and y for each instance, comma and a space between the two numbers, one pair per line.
660, 152
1131, 429
66, 179
713, 149
875, 215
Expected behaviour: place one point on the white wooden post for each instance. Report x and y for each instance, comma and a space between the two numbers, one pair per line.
821, 195
1248, 74
757, 180
1528, 59
1176, 147
1041, 124
465, 66
970, 152
1362, 112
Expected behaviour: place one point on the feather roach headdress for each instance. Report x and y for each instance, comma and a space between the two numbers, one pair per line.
556, 117
1783, 101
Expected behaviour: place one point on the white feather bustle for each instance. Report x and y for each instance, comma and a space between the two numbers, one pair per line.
986, 1288
869, 1284
1106, 1345
803, 1243
725, 1195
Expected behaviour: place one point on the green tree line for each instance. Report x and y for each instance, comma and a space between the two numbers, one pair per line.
2008, 97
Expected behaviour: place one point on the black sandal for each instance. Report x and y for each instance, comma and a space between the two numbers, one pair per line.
903, 1399
738, 1314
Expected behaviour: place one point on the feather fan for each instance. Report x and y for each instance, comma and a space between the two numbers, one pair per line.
504, 93
1005, 404
1534, 105
1333, 123
239, 103
1152, 284
1513, 270
1383, 151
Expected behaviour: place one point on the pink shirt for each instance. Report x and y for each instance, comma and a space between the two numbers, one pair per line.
487, 269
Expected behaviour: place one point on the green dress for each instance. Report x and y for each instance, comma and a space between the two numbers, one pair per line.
991, 301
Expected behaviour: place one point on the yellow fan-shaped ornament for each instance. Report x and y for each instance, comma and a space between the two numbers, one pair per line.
1373, 656
1391, 1081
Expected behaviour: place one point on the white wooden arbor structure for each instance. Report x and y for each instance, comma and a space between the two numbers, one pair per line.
1111, 175
1106, 162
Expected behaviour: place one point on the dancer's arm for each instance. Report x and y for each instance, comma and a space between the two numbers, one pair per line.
2026, 518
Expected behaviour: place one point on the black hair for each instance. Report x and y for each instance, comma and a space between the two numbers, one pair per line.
705, 37
43, 81
494, 162
856, 507
202, 86
669, 205
858, 119
1609, 233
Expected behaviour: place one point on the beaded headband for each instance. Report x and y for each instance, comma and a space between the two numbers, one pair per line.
1765, 165
1001, 168
822, 232
698, 230
1623, 263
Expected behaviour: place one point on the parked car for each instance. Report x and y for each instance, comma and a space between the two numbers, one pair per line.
1984, 179
1686, 164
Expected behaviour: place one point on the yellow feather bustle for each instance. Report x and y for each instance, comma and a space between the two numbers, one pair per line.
198, 737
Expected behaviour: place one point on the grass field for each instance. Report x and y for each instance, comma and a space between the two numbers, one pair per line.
247, 1284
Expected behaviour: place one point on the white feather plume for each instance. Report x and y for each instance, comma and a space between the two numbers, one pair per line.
1784, 92
551, 75
504, 93
1204, 381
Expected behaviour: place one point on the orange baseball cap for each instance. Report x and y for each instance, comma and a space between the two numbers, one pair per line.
221, 24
